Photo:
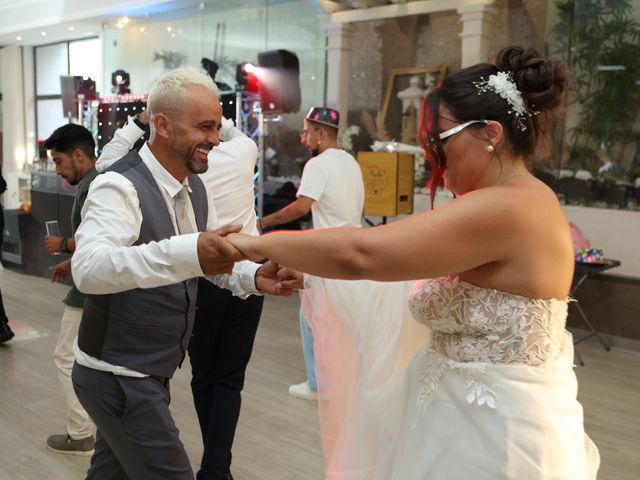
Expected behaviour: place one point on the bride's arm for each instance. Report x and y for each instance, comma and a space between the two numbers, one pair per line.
471, 231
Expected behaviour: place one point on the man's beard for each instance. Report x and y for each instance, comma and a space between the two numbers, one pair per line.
75, 179
197, 167
193, 165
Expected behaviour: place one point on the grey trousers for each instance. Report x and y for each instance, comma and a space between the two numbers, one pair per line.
137, 438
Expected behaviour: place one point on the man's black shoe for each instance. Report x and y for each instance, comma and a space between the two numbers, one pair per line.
5, 332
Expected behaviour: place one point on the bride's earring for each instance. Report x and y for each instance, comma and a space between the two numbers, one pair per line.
490, 148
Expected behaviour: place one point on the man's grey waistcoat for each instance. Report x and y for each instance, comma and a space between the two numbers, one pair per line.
145, 329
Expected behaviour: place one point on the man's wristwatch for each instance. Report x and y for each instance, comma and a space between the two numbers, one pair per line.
137, 121
63, 245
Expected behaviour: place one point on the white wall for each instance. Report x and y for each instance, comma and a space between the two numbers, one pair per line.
616, 232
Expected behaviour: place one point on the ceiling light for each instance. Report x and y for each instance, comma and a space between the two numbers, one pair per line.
169, 28
125, 20
120, 24
71, 29
44, 34
18, 38
141, 29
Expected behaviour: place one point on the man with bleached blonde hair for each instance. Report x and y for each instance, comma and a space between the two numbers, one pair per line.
148, 231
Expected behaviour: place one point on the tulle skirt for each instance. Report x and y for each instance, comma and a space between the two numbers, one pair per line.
391, 408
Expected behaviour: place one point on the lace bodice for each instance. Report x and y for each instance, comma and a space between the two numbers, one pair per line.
475, 324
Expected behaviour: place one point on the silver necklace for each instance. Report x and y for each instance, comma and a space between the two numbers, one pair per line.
510, 176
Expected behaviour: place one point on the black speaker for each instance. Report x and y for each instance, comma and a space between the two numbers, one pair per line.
51, 199
71, 87
279, 81
20, 243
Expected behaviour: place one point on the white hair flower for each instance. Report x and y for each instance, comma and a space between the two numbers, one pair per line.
502, 84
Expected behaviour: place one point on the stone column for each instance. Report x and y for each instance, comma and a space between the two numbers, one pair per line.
478, 22
339, 37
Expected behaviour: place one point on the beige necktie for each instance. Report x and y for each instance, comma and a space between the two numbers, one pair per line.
182, 218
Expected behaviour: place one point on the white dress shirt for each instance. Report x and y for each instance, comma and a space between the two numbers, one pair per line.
105, 260
229, 178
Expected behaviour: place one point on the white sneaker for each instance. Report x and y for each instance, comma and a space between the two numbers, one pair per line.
303, 391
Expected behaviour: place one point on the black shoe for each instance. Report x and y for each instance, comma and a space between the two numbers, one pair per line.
5, 332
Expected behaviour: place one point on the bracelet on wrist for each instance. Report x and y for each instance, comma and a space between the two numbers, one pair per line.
136, 120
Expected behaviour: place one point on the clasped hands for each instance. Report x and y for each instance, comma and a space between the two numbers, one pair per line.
219, 249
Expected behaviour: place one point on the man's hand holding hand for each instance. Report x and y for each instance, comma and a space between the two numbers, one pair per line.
290, 278
267, 280
247, 244
215, 253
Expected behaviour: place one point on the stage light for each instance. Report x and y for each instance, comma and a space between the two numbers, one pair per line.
120, 82
246, 78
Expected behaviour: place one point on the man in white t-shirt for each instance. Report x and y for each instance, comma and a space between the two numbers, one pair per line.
332, 188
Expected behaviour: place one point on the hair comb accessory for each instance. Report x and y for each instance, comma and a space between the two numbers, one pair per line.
502, 84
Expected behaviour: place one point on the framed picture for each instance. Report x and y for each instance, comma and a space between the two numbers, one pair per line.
400, 110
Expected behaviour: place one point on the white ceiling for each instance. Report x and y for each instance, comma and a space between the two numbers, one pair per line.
70, 19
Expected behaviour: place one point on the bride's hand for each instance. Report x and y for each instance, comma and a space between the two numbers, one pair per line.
247, 244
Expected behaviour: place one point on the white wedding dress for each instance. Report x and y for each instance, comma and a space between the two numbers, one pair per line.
491, 396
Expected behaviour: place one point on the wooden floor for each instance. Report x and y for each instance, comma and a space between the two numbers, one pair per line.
277, 435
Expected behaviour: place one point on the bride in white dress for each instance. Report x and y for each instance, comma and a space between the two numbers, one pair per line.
492, 394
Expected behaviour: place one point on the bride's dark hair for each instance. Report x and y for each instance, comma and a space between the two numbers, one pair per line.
541, 83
